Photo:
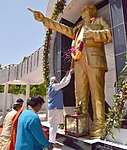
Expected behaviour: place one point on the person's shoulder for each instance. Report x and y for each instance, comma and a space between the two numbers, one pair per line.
33, 117
52, 85
28, 114
77, 27
100, 18
12, 112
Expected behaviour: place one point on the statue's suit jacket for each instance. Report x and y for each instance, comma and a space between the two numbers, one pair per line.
99, 33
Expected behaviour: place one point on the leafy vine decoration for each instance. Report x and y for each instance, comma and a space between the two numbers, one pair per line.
116, 113
59, 6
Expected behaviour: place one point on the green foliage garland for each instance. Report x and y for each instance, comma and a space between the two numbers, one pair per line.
116, 113
59, 6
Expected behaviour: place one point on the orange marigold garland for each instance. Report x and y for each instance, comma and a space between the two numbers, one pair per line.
76, 54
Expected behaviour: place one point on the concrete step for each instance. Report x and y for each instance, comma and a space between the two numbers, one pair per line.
84, 143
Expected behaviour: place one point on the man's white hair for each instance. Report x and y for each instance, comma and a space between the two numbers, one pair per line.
52, 79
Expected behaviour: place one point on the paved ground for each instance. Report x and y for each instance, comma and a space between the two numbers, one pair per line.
63, 148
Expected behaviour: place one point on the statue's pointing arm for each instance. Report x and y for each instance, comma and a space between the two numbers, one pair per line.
68, 31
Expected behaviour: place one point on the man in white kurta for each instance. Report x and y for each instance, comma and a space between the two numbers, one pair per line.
7, 126
55, 104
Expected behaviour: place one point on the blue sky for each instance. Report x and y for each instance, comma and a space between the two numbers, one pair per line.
20, 34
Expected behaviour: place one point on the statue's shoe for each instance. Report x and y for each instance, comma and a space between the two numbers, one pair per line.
96, 133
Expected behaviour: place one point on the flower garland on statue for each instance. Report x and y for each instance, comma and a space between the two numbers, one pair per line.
76, 53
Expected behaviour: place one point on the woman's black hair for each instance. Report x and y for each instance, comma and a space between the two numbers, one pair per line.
35, 100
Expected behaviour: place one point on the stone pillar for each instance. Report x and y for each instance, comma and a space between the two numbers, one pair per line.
27, 93
119, 28
4, 101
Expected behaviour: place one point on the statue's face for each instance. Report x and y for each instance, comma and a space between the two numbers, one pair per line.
88, 11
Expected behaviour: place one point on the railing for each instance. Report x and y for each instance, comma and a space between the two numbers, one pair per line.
15, 72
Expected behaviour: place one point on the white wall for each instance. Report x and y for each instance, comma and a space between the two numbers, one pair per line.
11, 98
110, 77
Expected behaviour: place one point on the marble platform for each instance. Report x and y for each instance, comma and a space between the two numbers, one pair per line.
84, 143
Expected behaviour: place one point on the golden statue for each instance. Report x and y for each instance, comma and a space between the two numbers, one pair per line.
89, 60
